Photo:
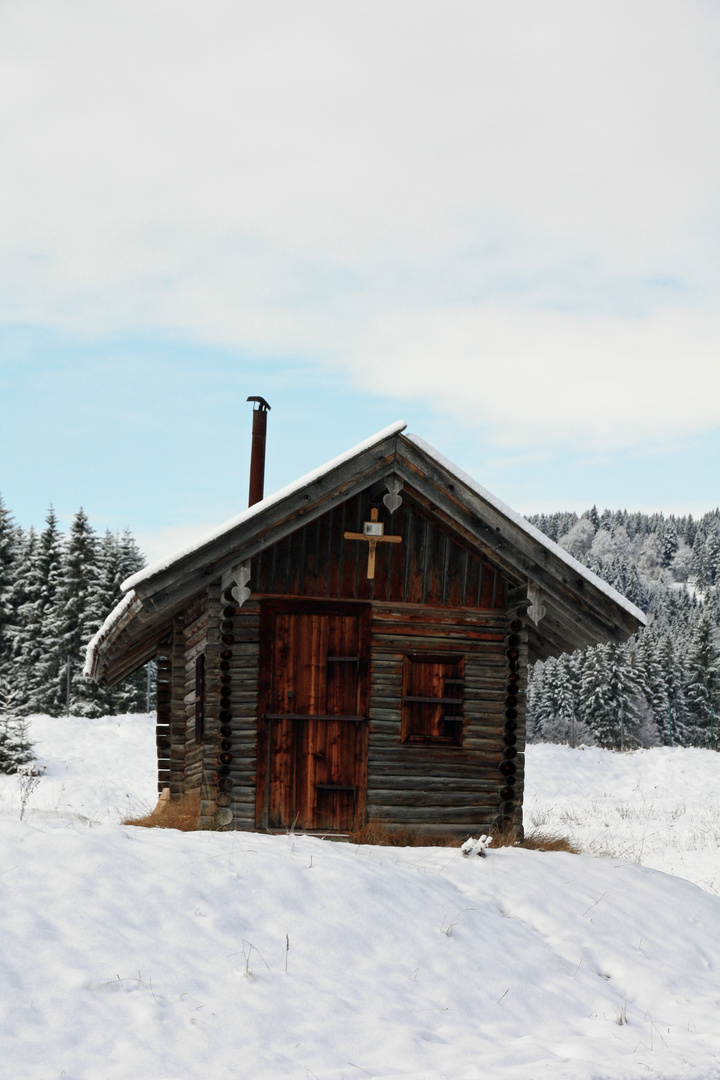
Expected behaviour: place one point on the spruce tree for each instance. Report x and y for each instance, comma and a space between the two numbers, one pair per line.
598, 711
15, 748
46, 643
702, 686
24, 654
669, 543
609, 690
652, 684
118, 558
74, 619
10, 539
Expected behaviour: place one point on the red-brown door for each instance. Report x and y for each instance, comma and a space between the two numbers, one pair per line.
314, 716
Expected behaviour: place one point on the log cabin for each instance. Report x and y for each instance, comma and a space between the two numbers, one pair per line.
355, 647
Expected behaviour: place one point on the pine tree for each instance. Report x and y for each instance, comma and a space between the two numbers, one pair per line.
15, 748
542, 706
702, 687
23, 657
597, 702
44, 642
712, 555
10, 538
675, 731
75, 617
558, 702
701, 573
609, 689
669, 543
652, 685
118, 558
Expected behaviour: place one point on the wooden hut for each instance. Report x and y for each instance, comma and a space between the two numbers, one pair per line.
355, 647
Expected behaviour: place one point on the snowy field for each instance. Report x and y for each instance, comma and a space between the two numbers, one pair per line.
136, 954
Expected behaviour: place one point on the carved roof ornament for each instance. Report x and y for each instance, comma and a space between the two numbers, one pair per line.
537, 608
238, 577
392, 500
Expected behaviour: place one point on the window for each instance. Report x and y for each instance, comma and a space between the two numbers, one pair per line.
433, 699
200, 698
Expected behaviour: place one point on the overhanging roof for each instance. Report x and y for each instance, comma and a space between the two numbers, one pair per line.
581, 609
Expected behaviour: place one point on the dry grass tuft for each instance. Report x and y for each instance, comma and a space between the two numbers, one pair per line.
182, 814
379, 832
534, 841
382, 834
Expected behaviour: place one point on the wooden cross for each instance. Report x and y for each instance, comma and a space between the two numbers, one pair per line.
374, 533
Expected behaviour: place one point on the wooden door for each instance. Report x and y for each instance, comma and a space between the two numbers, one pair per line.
314, 719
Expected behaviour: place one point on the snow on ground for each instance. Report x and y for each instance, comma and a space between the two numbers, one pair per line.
658, 807
136, 954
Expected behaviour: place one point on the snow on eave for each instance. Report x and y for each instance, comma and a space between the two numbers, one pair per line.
252, 511
117, 620
530, 529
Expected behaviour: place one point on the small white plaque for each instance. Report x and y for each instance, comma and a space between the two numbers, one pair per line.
373, 528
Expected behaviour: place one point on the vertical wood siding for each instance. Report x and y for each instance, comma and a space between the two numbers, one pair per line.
427, 568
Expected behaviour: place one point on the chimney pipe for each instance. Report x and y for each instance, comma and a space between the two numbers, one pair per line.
257, 454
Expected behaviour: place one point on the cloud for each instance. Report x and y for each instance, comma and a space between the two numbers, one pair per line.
508, 209
557, 377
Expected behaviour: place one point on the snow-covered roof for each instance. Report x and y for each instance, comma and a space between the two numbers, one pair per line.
259, 508
141, 583
118, 618
530, 529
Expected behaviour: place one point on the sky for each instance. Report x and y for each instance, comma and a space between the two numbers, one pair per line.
497, 222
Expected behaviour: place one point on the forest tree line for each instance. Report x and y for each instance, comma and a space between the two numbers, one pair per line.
662, 687
55, 592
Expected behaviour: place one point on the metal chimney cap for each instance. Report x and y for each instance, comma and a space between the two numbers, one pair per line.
262, 403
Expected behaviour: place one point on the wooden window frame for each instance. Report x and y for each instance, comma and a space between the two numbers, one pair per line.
452, 724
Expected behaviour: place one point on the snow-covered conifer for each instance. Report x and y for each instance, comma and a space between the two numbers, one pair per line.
15, 748
10, 541
75, 617
702, 686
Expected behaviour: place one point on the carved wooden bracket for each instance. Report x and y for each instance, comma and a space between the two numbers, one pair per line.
537, 609
392, 500
237, 577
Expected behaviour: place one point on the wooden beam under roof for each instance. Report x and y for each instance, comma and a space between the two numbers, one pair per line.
578, 611
191, 573
520, 553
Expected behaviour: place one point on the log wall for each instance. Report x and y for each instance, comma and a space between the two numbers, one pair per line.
444, 788
170, 711
195, 645
229, 749
242, 701
428, 785
433, 788
208, 785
